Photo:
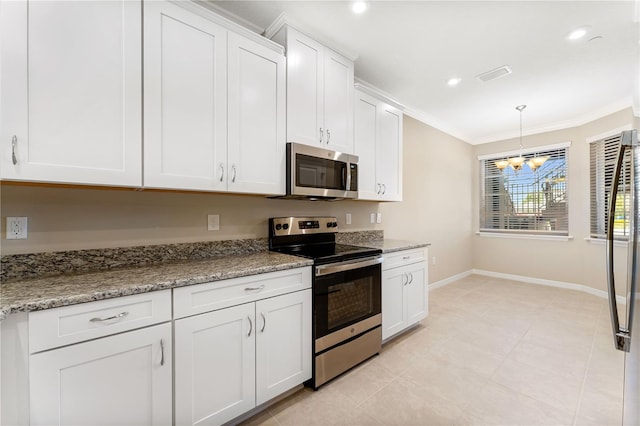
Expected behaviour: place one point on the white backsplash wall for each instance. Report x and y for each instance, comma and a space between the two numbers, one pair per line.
73, 218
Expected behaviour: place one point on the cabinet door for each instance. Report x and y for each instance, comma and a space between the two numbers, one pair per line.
338, 102
119, 380
283, 343
389, 152
215, 365
394, 317
185, 92
305, 67
365, 136
257, 90
71, 92
417, 293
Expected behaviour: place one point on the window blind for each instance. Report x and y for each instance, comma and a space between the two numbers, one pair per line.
603, 155
526, 201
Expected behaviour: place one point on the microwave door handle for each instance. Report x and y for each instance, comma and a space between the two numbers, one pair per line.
348, 175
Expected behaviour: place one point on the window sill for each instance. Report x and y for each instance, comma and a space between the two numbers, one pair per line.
602, 242
525, 236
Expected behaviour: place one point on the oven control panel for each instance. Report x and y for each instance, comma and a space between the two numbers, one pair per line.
280, 226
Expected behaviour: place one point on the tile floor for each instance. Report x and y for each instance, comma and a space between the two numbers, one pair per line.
490, 352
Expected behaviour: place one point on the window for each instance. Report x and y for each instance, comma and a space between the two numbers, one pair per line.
603, 155
526, 201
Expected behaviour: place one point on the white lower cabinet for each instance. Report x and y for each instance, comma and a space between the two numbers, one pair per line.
230, 360
123, 379
404, 291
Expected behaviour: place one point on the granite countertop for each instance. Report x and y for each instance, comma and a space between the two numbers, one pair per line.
40, 281
33, 294
389, 246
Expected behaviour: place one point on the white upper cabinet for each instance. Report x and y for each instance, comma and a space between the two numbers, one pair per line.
71, 96
214, 105
378, 143
319, 93
185, 91
256, 117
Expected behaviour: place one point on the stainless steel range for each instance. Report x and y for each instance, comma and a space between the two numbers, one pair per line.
347, 314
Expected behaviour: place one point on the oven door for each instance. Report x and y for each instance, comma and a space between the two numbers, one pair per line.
346, 296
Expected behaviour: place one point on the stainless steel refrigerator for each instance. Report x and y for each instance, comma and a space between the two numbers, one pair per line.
626, 333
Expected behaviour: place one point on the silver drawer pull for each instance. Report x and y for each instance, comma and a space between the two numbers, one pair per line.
120, 315
406, 257
254, 288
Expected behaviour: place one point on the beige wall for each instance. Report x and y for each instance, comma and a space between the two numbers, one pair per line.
437, 199
574, 261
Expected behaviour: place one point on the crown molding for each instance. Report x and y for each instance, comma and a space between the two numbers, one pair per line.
372, 90
230, 16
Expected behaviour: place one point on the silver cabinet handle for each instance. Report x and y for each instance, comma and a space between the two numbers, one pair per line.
379, 187
259, 288
14, 142
406, 257
411, 275
120, 315
264, 322
405, 278
161, 352
221, 172
321, 134
250, 326
328, 135
384, 189
235, 172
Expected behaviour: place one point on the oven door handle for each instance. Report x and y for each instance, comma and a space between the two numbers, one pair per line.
347, 265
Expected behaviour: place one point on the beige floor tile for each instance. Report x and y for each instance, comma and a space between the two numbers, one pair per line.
401, 403
561, 360
466, 354
601, 409
362, 382
498, 405
561, 391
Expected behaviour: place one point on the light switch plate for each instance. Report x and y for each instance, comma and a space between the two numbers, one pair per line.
348, 219
379, 218
373, 218
213, 222
17, 228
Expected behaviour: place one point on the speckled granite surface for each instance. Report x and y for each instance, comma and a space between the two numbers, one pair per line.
51, 292
389, 246
30, 282
80, 261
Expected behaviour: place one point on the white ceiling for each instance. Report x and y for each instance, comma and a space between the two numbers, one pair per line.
409, 49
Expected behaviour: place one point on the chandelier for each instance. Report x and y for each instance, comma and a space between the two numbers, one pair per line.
516, 163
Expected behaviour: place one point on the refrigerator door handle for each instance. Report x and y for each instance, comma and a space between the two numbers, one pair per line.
622, 336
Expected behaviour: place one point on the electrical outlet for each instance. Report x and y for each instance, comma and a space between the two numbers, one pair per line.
17, 228
379, 218
433, 260
348, 219
213, 222
373, 218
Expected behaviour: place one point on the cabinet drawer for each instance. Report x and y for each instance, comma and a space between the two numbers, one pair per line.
207, 297
71, 324
400, 258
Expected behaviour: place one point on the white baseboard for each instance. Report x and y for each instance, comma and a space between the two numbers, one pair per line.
450, 280
530, 280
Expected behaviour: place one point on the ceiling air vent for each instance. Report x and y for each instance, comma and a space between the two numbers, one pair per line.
495, 73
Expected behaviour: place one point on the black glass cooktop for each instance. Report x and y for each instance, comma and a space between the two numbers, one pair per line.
329, 253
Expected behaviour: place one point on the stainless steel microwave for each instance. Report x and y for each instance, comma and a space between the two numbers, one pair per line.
317, 173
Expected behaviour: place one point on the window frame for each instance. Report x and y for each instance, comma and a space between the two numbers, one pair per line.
524, 233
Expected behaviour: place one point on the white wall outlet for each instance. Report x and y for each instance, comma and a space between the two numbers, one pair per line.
433, 260
379, 218
17, 228
213, 222
373, 218
348, 219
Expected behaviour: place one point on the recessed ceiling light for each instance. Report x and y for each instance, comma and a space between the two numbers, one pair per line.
454, 81
359, 6
578, 33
